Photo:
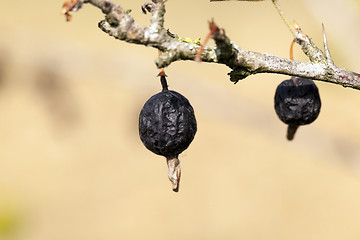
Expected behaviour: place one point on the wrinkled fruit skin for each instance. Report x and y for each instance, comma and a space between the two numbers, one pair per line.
297, 103
167, 124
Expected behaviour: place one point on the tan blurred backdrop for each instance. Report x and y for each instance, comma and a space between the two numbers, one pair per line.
72, 166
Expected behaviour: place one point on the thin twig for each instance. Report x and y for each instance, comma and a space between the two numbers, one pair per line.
284, 17
213, 27
292, 49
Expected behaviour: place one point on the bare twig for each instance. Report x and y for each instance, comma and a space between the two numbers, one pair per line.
284, 17
213, 27
119, 24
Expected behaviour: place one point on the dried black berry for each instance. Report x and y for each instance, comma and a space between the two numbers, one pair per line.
167, 126
297, 102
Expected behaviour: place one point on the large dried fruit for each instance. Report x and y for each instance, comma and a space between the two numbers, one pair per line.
297, 102
167, 126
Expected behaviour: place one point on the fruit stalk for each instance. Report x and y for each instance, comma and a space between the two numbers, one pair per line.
164, 83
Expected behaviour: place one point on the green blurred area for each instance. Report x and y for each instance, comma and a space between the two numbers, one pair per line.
9, 224
74, 166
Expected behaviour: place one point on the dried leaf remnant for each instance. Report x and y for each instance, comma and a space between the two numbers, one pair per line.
70, 5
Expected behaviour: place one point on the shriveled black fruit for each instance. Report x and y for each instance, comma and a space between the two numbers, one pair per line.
167, 126
297, 102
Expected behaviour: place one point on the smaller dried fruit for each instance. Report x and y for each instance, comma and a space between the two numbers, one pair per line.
297, 102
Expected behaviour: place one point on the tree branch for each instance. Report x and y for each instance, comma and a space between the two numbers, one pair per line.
120, 24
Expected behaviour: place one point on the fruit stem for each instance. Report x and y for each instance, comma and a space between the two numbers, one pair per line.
162, 76
164, 83
295, 80
291, 131
174, 172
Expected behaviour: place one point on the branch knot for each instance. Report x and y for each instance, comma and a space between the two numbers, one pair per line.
238, 74
114, 16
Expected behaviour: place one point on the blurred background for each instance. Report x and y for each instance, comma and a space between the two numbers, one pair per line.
72, 165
